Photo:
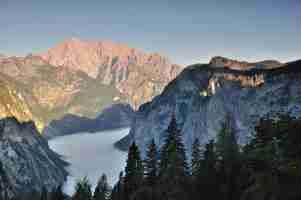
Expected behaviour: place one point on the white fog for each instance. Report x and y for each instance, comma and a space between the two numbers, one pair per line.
91, 155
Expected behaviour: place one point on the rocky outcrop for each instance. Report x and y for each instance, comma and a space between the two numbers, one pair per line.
79, 79
201, 96
222, 62
113, 117
14, 102
26, 161
2, 56
137, 75
33, 90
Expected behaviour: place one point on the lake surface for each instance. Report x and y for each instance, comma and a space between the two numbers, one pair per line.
91, 155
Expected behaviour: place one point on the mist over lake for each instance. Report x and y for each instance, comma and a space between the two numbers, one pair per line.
91, 155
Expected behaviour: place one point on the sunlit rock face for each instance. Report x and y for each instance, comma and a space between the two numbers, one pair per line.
202, 94
33, 90
222, 62
80, 78
26, 161
2, 56
138, 75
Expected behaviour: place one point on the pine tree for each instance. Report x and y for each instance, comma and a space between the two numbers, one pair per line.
173, 165
102, 190
210, 157
118, 189
82, 190
151, 164
44, 194
133, 171
196, 159
57, 194
208, 181
227, 146
228, 152
33, 195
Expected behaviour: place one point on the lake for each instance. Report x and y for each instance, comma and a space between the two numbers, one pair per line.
91, 154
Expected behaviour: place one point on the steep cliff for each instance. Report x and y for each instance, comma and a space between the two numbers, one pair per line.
33, 90
137, 75
26, 161
14, 101
80, 78
202, 94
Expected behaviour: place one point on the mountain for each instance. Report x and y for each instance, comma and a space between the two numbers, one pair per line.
137, 75
26, 161
80, 78
2, 56
222, 62
113, 117
34, 90
203, 94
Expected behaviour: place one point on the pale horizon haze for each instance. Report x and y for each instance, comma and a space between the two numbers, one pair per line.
185, 31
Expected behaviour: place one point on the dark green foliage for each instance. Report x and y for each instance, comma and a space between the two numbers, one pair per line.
114, 60
82, 190
57, 194
102, 190
274, 159
196, 161
267, 168
118, 190
228, 155
205, 183
147, 193
173, 165
226, 146
151, 164
44, 194
133, 172
173, 168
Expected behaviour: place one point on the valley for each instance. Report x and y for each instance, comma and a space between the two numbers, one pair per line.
91, 155
80, 78
150, 100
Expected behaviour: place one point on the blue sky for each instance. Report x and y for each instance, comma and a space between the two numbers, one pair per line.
186, 31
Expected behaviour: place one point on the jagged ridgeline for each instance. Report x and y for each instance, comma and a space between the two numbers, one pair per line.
35, 91
80, 78
201, 96
27, 163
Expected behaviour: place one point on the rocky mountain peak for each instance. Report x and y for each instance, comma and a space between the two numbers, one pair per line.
222, 62
201, 96
26, 160
137, 75
89, 56
2, 56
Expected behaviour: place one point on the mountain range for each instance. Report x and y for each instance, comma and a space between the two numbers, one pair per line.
81, 86
80, 78
203, 94
26, 162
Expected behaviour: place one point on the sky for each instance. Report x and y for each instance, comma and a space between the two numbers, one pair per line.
186, 31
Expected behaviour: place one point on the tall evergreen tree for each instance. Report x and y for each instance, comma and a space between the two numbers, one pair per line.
118, 189
228, 152
44, 194
102, 190
205, 183
227, 146
133, 171
82, 190
151, 164
173, 165
196, 159
210, 157
57, 194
